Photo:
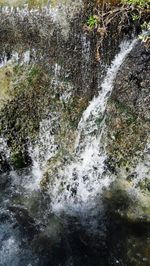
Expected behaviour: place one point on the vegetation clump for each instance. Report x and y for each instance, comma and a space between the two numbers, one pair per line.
126, 12
93, 22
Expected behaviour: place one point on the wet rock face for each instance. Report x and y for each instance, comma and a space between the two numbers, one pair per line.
128, 110
132, 83
55, 66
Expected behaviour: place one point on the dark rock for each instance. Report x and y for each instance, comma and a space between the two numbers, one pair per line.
133, 90
25, 221
4, 181
4, 164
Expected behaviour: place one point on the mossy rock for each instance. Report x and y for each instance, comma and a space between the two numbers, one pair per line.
18, 160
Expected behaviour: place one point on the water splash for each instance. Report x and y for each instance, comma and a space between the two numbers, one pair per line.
4, 148
4, 153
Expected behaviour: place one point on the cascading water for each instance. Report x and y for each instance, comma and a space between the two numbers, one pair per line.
85, 177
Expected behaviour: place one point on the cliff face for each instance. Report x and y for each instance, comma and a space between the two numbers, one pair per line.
128, 110
56, 51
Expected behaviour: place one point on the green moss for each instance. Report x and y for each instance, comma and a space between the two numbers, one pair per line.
18, 160
92, 22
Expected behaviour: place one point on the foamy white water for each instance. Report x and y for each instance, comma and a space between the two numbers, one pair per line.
11, 250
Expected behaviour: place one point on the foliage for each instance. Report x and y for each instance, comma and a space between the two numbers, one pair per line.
140, 3
145, 36
133, 12
146, 26
92, 22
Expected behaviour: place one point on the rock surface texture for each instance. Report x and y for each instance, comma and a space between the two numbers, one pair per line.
128, 131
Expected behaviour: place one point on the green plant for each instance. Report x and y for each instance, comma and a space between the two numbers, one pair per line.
92, 21
145, 36
135, 17
145, 26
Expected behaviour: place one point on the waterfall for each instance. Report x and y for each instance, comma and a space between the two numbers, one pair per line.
68, 188
86, 46
96, 108
82, 181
